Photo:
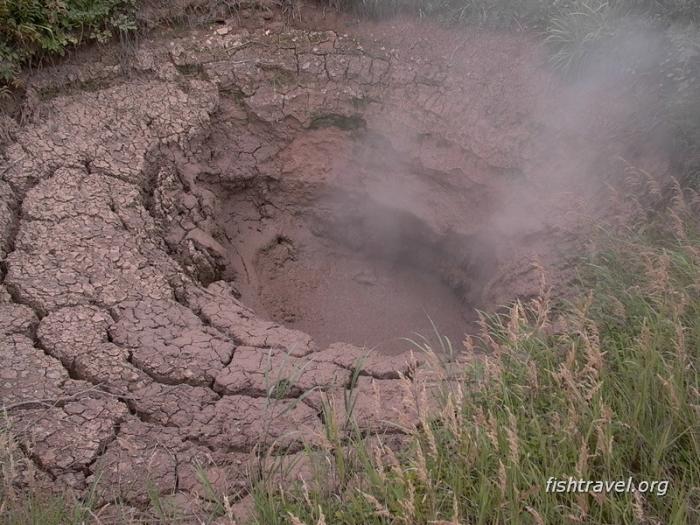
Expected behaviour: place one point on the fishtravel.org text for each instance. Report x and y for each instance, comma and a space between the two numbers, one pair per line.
560, 486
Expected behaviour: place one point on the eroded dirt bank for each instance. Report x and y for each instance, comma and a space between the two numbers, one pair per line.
171, 235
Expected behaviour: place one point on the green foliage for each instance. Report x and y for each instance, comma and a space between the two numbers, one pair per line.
43, 509
31, 30
500, 13
575, 35
531, 14
574, 30
522, 13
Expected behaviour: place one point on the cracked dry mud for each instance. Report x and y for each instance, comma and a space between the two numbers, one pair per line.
165, 232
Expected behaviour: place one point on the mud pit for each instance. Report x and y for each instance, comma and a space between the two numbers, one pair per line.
341, 263
335, 295
182, 243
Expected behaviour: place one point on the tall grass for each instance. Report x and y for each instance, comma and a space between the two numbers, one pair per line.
601, 389
606, 390
23, 501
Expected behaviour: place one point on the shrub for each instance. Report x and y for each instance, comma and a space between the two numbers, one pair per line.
574, 36
31, 30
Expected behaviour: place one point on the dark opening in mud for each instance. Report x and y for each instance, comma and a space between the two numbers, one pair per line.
345, 265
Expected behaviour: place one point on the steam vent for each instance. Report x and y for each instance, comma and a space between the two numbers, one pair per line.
207, 242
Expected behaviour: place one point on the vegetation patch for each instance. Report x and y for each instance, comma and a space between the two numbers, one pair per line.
603, 389
32, 30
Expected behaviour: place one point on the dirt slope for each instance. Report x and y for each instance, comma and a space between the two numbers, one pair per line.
160, 226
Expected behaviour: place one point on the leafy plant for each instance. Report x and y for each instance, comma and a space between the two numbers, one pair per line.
574, 36
32, 30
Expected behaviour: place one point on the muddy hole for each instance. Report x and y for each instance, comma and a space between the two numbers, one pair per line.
353, 262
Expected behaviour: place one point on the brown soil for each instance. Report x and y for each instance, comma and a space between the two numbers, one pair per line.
358, 279
182, 237
336, 295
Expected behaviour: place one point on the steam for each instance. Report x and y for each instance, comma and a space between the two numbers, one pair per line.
503, 157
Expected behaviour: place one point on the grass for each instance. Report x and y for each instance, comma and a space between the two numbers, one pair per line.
30, 503
524, 13
606, 390
573, 36
602, 389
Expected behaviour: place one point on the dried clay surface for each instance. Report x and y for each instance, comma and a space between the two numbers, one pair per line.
193, 243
